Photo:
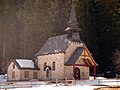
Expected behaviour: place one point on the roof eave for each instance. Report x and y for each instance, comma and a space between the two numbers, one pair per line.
50, 53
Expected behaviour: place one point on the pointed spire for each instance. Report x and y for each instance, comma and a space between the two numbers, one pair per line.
72, 24
73, 29
72, 16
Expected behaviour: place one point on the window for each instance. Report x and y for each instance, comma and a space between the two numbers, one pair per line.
35, 75
13, 74
45, 64
47, 73
13, 66
26, 74
53, 65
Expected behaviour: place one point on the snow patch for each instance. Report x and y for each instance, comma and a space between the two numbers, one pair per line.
3, 78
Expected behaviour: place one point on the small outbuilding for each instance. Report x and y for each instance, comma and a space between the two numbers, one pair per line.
22, 69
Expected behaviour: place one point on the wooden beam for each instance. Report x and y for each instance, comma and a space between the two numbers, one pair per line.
85, 55
90, 56
94, 72
73, 71
80, 65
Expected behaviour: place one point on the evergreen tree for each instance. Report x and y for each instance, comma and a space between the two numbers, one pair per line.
116, 61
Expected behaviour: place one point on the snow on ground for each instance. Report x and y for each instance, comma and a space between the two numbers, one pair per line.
3, 78
80, 85
77, 87
91, 78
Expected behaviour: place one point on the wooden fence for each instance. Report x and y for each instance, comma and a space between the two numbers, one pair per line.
57, 82
8, 85
22, 84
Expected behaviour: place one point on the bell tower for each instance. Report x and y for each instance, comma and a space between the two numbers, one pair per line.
73, 29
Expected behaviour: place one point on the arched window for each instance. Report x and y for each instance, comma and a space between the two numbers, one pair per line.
53, 65
45, 64
13, 66
47, 73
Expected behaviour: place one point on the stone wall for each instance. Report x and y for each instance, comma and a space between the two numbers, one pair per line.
62, 71
58, 73
30, 74
84, 70
10, 70
19, 74
69, 72
71, 49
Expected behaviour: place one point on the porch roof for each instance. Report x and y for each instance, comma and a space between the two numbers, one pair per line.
77, 53
75, 56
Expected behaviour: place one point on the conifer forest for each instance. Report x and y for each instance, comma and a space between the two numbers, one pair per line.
25, 25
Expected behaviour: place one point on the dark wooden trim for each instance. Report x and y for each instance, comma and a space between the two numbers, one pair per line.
95, 64
94, 72
80, 65
85, 55
73, 71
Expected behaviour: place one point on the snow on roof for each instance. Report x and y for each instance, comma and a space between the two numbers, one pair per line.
25, 63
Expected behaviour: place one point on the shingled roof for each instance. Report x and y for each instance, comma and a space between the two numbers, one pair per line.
75, 56
55, 44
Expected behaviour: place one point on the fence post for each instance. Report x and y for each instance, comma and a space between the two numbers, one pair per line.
117, 81
74, 82
31, 83
65, 81
56, 82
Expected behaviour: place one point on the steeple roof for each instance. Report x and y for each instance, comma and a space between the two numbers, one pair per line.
72, 15
72, 24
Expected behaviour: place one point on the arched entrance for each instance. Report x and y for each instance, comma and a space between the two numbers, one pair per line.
77, 73
48, 72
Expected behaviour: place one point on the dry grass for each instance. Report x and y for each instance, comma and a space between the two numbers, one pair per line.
109, 88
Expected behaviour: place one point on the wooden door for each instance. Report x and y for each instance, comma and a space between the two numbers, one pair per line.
77, 73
